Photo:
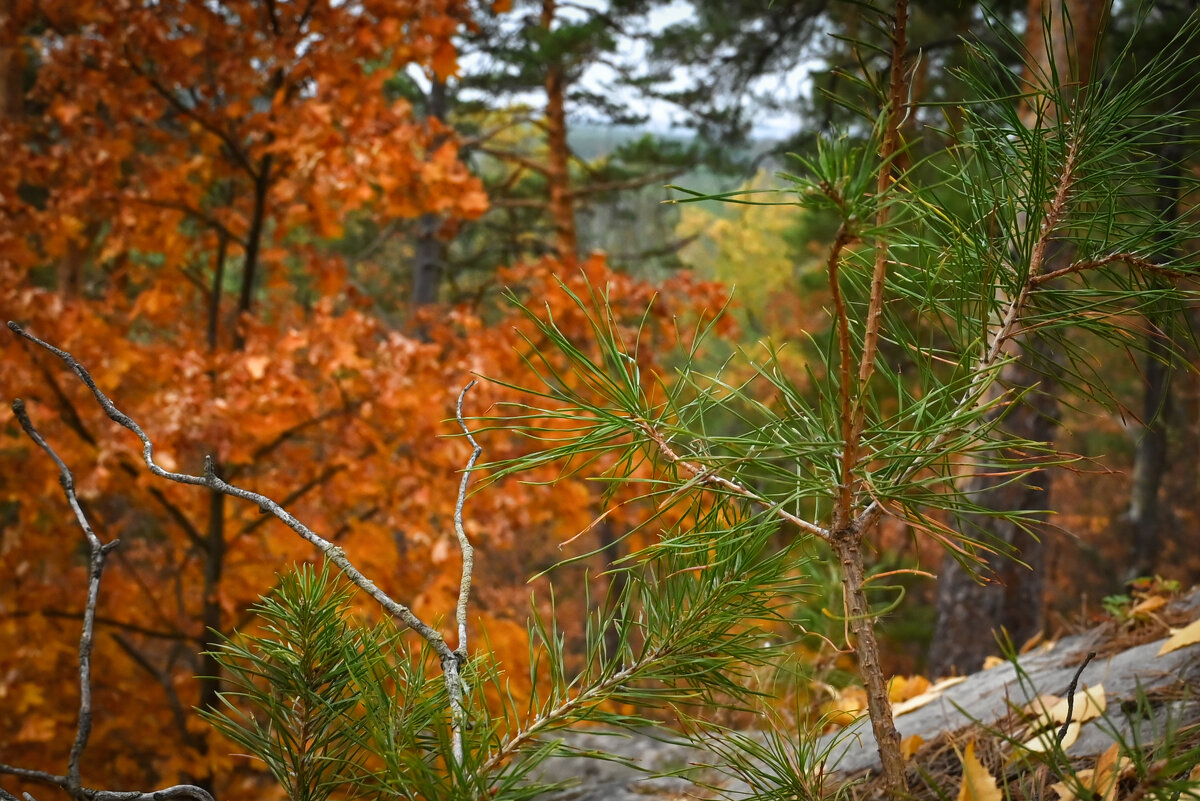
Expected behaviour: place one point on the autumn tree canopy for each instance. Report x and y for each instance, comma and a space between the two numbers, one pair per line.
176, 175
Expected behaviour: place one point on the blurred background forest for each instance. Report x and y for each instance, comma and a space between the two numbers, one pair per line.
280, 232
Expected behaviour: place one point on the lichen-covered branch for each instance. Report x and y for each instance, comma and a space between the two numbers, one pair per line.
72, 782
452, 661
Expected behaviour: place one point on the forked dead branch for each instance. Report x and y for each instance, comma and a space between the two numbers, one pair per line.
452, 660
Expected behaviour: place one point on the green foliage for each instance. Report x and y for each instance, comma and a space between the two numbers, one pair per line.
331, 705
296, 680
938, 274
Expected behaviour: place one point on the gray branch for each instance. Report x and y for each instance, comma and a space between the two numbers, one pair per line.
452, 661
454, 683
210, 480
72, 782
98, 552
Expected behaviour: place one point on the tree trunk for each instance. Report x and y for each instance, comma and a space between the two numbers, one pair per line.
969, 611
1144, 516
430, 253
558, 176
1150, 459
12, 76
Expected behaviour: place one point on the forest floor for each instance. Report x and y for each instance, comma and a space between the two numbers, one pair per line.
1126, 693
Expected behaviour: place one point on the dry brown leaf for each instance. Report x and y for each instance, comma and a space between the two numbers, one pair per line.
1044, 741
993, 661
1181, 638
910, 745
977, 783
1032, 642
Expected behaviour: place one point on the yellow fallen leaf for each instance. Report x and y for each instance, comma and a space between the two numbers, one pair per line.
924, 698
1188, 635
1044, 741
910, 745
1086, 704
977, 783
1032, 642
1039, 709
1065, 793
1151, 604
1100, 783
993, 661
901, 688
846, 707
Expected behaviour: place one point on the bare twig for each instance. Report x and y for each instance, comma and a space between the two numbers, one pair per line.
1132, 259
72, 782
210, 480
452, 661
1062, 733
468, 552
707, 477
98, 552
454, 682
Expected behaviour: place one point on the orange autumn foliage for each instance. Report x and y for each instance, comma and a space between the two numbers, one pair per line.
339, 416
171, 182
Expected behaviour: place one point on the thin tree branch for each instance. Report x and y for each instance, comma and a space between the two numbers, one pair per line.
516, 158
468, 552
706, 476
210, 480
164, 681
629, 183
235, 148
454, 682
98, 552
896, 111
844, 506
132, 628
191, 211
71, 417
1132, 259
293, 496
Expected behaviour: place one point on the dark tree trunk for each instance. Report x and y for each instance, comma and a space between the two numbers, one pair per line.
430, 257
1150, 459
1009, 597
12, 78
610, 549
558, 174
1144, 516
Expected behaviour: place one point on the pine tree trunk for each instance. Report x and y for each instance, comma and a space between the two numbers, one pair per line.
1145, 517
969, 612
1011, 597
558, 174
